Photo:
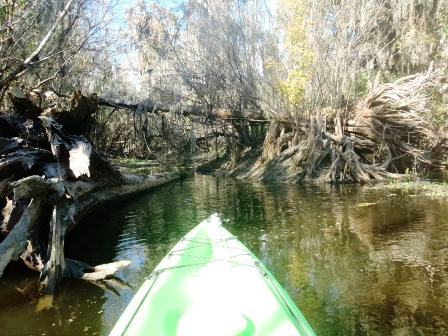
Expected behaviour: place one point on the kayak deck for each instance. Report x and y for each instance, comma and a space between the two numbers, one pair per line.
211, 284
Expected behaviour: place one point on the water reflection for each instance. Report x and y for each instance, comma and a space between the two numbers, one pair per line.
356, 261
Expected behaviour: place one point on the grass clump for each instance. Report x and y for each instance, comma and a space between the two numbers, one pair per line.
135, 166
435, 190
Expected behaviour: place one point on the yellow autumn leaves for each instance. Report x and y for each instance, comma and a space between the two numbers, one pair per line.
299, 56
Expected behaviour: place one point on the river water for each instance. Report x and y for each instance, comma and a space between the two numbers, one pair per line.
356, 261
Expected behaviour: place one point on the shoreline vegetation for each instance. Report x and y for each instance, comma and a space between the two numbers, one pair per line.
431, 189
434, 187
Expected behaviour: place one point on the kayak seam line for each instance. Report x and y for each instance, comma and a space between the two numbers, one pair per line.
210, 241
199, 257
155, 275
204, 244
279, 294
215, 245
159, 271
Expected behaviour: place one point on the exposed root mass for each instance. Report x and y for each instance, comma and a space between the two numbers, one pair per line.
383, 136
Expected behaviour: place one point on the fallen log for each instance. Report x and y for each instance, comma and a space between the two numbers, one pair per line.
15, 242
49, 182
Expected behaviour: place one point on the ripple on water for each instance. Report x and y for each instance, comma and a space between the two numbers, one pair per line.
376, 269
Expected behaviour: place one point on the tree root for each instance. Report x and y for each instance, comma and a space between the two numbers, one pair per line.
385, 135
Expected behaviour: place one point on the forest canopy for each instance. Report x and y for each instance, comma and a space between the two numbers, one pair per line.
285, 62
284, 57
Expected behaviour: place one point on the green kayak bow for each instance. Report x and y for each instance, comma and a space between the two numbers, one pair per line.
210, 284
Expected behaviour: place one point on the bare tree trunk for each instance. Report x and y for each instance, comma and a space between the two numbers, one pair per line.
28, 62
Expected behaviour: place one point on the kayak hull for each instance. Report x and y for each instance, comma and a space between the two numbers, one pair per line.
211, 284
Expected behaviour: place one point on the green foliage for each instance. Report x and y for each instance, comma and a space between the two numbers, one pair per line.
361, 84
137, 167
439, 109
3, 15
433, 190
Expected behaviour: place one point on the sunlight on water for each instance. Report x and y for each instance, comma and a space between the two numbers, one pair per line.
356, 261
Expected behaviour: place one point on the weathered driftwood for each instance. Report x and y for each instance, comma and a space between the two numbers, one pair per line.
54, 176
15, 242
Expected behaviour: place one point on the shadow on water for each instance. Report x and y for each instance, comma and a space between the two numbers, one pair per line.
356, 261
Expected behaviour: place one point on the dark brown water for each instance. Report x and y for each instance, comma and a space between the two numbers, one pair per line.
356, 261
